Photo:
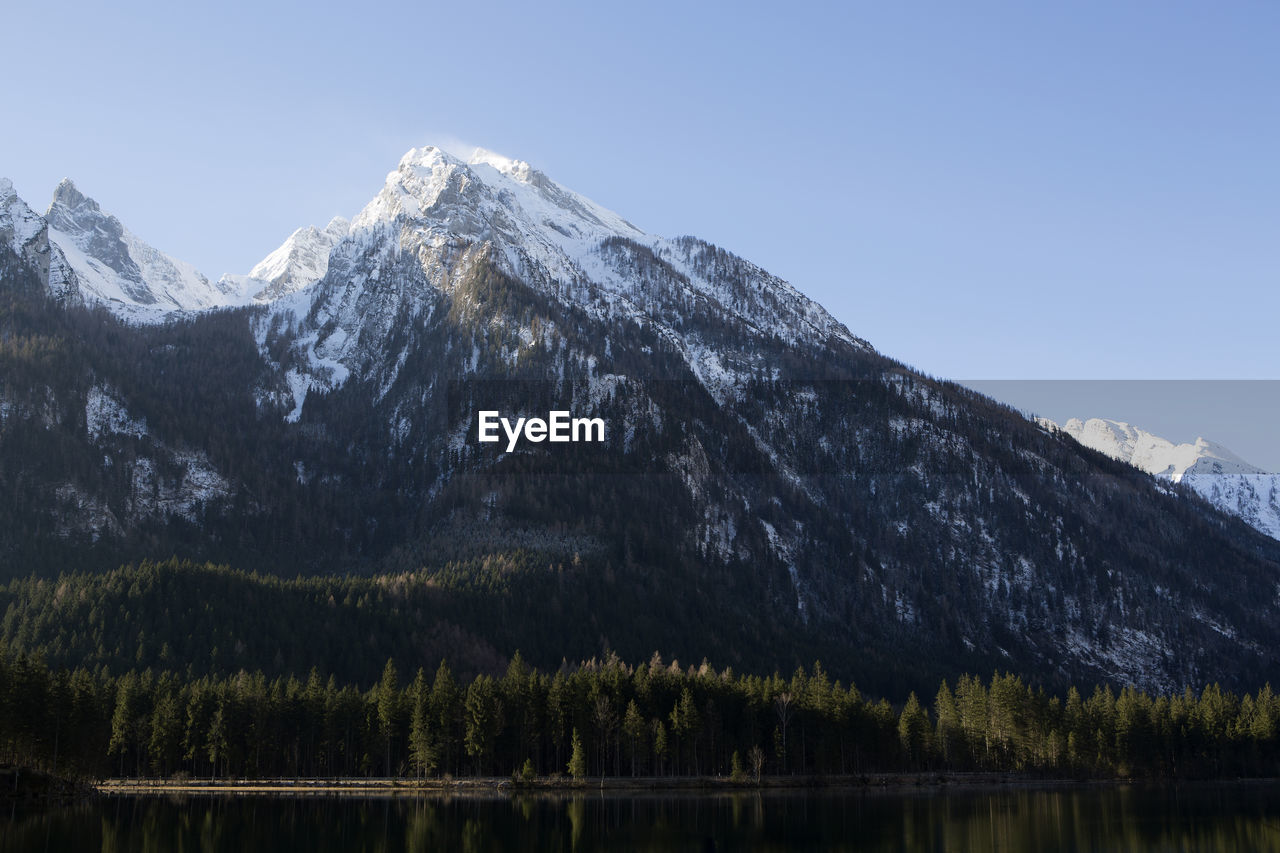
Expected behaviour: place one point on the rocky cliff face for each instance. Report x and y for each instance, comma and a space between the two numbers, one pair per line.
26, 234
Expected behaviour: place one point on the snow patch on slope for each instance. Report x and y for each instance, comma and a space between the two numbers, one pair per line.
105, 415
785, 550
196, 485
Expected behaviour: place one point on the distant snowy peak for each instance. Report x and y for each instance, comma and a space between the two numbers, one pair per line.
1154, 454
116, 268
305, 249
301, 261
1214, 472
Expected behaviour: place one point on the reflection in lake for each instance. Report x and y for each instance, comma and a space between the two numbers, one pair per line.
1190, 817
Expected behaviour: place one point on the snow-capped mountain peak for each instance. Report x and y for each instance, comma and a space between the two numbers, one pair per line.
115, 267
27, 234
66, 195
19, 224
1214, 472
436, 216
306, 247
1154, 454
490, 196
301, 260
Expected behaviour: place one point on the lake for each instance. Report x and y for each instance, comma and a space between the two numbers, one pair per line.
1239, 816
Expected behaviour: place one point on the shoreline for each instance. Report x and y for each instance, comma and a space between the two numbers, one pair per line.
505, 786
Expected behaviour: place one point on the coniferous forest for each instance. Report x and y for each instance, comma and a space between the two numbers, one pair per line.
611, 719
136, 673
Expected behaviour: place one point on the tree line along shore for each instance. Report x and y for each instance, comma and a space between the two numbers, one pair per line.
607, 719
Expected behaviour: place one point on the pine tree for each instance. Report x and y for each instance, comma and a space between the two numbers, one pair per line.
388, 710
483, 717
659, 745
558, 713
577, 759
166, 732
124, 721
443, 703
913, 732
634, 728
218, 736
606, 721
422, 751
971, 699
517, 692
950, 736
685, 725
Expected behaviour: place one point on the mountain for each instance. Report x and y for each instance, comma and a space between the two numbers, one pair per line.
25, 234
1211, 470
769, 490
117, 269
302, 260
438, 220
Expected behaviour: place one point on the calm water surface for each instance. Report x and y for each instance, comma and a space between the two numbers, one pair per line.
1187, 818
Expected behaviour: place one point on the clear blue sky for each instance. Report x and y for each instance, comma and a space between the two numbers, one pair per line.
983, 189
